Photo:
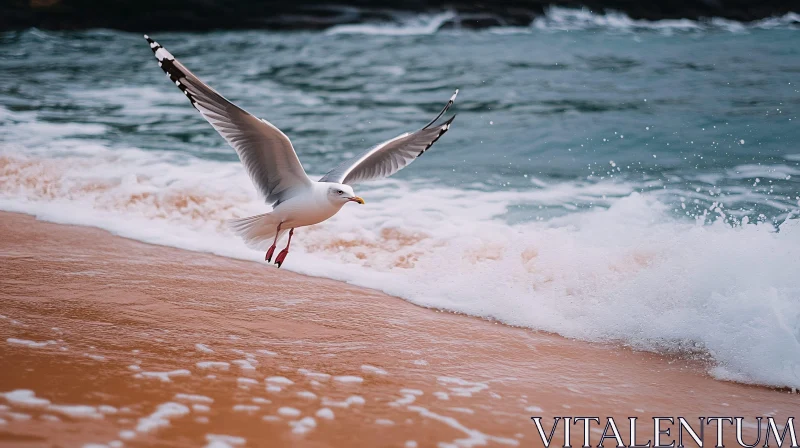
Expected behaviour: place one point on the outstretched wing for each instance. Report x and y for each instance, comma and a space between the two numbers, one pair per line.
390, 156
265, 151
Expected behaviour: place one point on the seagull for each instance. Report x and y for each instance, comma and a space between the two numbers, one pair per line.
274, 168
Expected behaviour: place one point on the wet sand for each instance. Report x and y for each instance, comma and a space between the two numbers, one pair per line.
125, 343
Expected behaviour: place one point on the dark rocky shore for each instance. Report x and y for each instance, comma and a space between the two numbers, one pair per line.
151, 15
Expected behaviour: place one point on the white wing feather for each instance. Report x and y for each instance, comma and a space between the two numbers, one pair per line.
265, 151
390, 156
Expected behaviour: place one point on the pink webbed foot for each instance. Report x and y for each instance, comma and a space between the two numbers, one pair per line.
270, 251
281, 257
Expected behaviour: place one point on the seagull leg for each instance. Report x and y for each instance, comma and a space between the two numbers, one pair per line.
284, 252
271, 249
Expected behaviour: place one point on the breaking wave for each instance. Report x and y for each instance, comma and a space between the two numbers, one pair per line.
565, 19
627, 271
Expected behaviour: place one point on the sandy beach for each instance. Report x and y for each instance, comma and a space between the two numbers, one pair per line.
125, 343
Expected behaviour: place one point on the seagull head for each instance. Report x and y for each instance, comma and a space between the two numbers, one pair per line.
342, 194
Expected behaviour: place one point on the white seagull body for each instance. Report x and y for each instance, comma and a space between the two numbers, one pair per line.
273, 166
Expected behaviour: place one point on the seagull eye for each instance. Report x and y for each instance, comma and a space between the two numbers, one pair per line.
340, 192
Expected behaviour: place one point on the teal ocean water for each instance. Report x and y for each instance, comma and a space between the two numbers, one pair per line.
605, 179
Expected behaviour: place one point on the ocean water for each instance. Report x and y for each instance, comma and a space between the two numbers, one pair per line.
606, 179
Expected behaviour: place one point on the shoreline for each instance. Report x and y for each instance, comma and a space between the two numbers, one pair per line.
137, 343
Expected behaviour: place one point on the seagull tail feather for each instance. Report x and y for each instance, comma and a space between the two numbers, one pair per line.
257, 231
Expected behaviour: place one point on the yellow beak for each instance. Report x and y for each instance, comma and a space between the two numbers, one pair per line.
357, 199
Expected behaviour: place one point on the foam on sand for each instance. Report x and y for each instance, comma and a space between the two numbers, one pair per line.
223, 441
353, 399
348, 379
25, 397
193, 398
460, 387
201, 407
77, 411
27, 343
244, 364
218, 365
308, 395
303, 425
165, 377
161, 416
279, 380
409, 396
474, 437
325, 413
315, 375
373, 370
203, 348
289, 411
249, 408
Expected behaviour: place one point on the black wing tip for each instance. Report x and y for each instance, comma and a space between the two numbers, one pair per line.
167, 63
153, 44
446, 107
444, 127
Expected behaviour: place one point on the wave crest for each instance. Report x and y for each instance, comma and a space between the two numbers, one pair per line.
564, 19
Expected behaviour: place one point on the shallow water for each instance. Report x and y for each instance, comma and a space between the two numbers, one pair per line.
605, 179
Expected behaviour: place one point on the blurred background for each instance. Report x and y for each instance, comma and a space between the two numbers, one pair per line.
201, 15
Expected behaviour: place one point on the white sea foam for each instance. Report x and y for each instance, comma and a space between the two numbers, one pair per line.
165, 377
353, 399
25, 397
203, 348
244, 364
406, 399
372, 369
474, 437
308, 395
197, 407
288, 412
565, 19
161, 417
219, 365
408, 25
627, 271
280, 380
460, 387
194, 398
223, 441
348, 379
325, 413
571, 19
76, 410
315, 375
32, 344
246, 407
303, 425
